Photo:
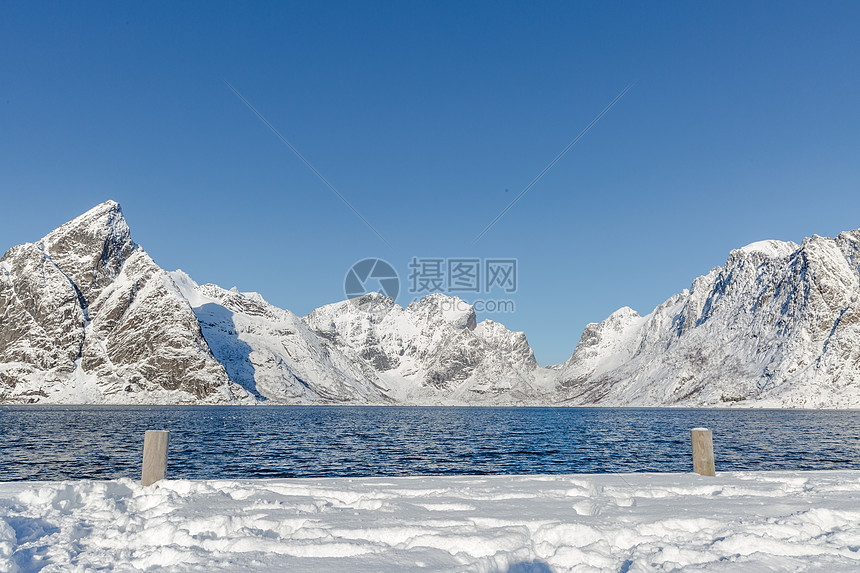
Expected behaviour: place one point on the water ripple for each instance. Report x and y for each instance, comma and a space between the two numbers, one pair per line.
206, 442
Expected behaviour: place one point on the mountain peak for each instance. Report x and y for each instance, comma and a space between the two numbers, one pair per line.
770, 248
105, 217
452, 309
91, 249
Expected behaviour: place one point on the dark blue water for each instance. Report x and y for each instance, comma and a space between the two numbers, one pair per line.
59, 442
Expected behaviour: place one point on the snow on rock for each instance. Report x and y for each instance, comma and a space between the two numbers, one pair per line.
43, 320
740, 521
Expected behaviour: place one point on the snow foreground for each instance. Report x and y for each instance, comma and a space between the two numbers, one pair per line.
751, 521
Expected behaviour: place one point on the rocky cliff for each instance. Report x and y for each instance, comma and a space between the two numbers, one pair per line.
87, 316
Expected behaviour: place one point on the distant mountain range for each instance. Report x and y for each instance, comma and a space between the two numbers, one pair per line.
86, 316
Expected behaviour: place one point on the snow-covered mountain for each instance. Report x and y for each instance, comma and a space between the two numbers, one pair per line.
434, 351
778, 325
86, 316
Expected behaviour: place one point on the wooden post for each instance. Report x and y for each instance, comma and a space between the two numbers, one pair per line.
703, 451
154, 456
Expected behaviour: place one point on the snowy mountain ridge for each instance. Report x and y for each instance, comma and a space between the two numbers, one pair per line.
86, 316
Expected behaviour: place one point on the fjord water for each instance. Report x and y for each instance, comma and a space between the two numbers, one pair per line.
210, 442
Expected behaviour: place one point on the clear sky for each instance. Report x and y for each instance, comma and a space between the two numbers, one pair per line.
430, 117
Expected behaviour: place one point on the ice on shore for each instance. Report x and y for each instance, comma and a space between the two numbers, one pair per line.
751, 521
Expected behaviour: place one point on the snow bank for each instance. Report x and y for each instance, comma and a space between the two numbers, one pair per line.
635, 522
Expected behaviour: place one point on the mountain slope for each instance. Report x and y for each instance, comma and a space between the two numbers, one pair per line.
272, 353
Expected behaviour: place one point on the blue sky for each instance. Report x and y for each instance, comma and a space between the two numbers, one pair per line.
429, 117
